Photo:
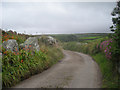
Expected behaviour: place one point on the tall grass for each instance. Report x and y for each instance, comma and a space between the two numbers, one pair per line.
110, 77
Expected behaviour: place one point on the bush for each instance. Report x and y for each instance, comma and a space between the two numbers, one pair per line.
116, 36
13, 35
17, 67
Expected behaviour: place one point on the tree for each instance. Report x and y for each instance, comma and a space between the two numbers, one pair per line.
116, 36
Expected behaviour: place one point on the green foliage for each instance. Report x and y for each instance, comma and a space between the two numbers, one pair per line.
14, 35
109, 75
89, 48
116, 29
17, 67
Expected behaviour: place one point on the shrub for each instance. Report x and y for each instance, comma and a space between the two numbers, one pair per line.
13, 35
116, 36
106, 46
17, 66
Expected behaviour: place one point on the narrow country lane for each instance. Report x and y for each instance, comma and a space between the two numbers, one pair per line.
76, 70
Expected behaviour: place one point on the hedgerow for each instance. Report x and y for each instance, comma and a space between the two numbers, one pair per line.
20, 65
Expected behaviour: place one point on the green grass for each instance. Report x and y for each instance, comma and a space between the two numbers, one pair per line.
109, 74
79, 37
90, 37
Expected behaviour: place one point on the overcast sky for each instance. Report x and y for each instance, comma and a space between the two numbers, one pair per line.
59, 17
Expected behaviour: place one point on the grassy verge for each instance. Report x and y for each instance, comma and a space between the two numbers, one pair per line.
110, 77
109, 72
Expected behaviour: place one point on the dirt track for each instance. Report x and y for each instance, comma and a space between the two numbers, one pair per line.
76, 70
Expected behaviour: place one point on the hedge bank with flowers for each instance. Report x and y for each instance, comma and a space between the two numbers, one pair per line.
17, 66
102, 51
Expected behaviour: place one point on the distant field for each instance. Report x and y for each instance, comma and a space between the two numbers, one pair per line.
87, 37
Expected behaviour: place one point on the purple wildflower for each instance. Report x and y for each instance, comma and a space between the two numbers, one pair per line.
105, 51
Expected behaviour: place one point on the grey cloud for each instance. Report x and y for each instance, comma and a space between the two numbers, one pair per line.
63, 17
